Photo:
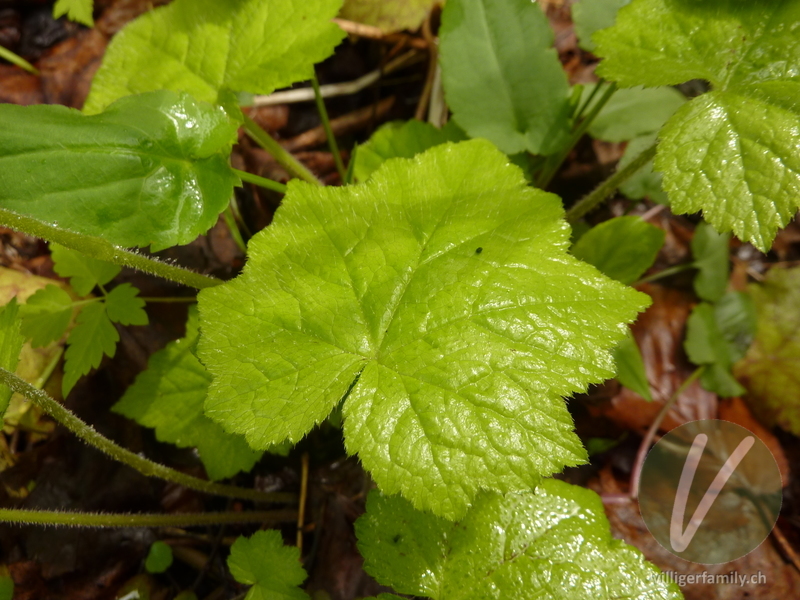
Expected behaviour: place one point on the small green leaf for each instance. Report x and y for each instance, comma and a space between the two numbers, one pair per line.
438, 299
388, 15
151, 170
554, 543
46, 315
76, 10
710, 251
732, 152
11, 341
272, 569
401, 139
205, 47
124, 306
634, 112
592, 15
501, 76
769, 369
645, 183
85, 273
93, 336
630, 367
159, 558
622, 248
717, 336
168, 396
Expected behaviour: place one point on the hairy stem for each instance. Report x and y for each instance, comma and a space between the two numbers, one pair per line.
144, 466
602, 192
326, 125
268, 184
81, 519
102, 250
284, 158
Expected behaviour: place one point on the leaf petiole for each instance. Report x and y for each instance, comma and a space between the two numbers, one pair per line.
145, 466
284, 158
103, 250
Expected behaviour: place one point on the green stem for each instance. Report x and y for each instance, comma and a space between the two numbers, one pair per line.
592, 94
233, 227
102, 250
80, 519
40, 381
144, 466
552, 167
668, 272
326, 124
284, 158
268, 184
602, 192
15, 59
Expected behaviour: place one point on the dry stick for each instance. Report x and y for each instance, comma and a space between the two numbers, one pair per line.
602, 192
636, 474
786, 546
301, 510
76, 519
102, 250
146, 467
330, 90
433, 60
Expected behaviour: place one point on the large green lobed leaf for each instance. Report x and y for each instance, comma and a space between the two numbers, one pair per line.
206, 47
554, 543
439, 299
731, 153
501, 76
150, 170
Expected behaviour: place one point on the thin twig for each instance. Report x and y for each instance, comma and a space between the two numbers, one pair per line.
636, 474
301, 509
329, 90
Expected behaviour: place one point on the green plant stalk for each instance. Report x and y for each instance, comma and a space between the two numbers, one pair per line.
81, 519
268, 184
664, 273
102, 250
144, 466
233, 227
592, 94
284, 158
326, 124
15, 59
552, 166
602, 192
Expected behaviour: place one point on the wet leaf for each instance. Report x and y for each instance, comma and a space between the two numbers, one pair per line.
438, 299
730, 153
151, 170
554, 543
